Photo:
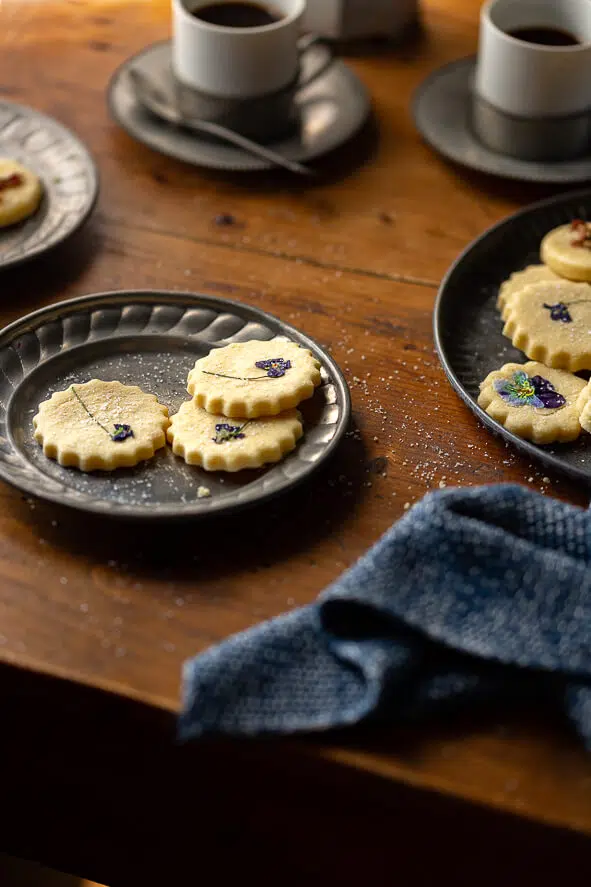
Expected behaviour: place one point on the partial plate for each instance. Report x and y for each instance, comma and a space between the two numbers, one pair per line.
69, 176
441, 110
467, 325
332, 109
150, 339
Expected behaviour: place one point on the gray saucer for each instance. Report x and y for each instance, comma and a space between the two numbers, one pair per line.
331, 110
441, 109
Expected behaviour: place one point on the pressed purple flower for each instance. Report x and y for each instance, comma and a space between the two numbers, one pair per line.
547, 393
521, 391
559, 312
122, 432
225, 432
275, 367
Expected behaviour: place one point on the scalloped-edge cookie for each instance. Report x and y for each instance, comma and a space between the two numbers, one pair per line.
214, 443
551, 323
567, 250
101, 426
251, 379
519, 279
534, 401
20, 192
584, 407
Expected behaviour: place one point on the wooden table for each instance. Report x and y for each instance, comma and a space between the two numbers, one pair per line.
86, 608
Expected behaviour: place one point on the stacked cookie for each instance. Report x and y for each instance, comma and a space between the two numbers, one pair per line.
243, 409
547, 313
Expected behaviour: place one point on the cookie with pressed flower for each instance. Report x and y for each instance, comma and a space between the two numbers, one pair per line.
251, 379
20, 192
551, 322
101, 426
534, 401
567, 250
217, 444
519, 279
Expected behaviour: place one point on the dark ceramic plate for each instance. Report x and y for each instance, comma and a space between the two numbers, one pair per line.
151, 339
68, 173
468, 326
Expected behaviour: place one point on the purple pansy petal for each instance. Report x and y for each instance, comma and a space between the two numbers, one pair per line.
547, 393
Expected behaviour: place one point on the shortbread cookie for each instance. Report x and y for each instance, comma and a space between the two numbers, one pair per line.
551, 322
584, 407
534, 401
567, 250
253, 379
20, 192
520, 279
101, 426
216, 444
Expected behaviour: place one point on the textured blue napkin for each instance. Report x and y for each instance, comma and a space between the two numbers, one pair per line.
476, 594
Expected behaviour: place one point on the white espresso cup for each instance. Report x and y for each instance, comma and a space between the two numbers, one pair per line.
236, 62
530, 79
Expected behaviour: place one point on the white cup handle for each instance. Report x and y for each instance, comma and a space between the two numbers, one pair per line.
304, 44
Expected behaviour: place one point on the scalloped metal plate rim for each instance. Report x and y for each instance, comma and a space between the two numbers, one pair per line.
198, 509
80, 216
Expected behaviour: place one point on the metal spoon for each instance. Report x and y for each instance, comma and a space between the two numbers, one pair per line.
155, 99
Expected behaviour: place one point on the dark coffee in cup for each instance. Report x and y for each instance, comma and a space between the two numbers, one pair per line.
238, 15
543, 36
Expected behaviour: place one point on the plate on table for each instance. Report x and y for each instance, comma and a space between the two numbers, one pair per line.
331, 110
150, 339
67, 172
467, 324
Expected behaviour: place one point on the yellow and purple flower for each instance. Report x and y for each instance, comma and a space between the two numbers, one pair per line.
522, 390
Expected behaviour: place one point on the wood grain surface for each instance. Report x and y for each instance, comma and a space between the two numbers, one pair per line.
353, 261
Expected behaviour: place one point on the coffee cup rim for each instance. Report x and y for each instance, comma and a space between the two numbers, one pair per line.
259, 29
537, 47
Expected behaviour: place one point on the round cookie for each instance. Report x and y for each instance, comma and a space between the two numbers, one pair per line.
534, 401
252, 379
20, 192
551, 322
520, 279
101, 426
584, 407
567, 250
214, 443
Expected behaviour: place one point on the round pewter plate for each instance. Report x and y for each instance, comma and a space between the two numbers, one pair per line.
468, 327
441, 110
331, 109
150, 339
67, 172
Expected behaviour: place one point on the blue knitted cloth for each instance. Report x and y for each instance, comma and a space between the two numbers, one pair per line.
475, 595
